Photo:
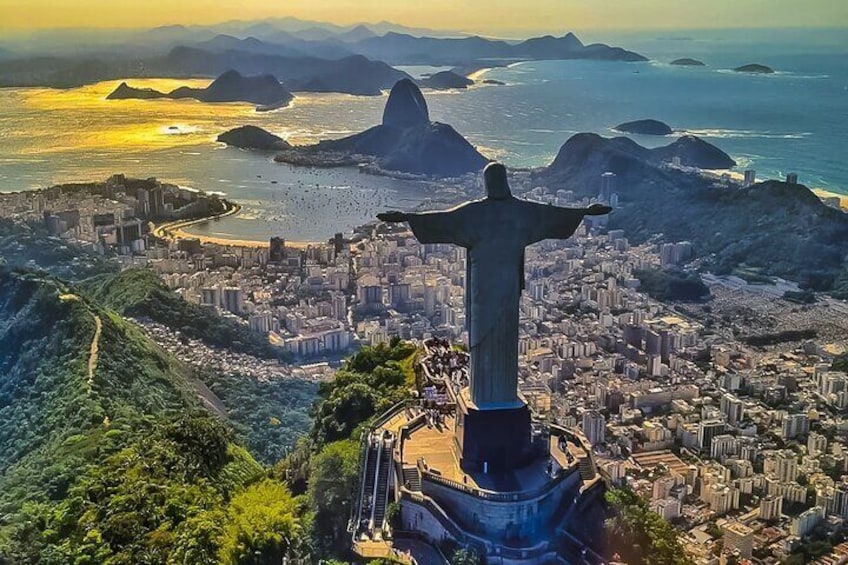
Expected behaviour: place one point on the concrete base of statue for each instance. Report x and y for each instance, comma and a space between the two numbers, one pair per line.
492, 440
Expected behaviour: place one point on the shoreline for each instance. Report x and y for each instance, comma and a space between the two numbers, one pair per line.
822, 193
175, 231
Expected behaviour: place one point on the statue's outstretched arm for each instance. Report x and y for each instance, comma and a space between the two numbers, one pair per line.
393, 216
544, 221
598, 210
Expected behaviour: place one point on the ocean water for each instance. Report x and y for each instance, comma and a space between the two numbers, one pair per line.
793, 121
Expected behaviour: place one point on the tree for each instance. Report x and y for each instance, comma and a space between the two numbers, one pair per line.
261, 524
465, 557
333, 478
639, 535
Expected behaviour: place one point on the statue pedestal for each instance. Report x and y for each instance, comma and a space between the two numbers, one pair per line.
494, 441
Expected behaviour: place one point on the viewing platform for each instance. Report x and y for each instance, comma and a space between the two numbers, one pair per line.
519, 516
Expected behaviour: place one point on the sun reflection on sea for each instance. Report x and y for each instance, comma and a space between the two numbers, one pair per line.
83, 119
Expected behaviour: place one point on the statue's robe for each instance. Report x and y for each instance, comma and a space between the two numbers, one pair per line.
495, 233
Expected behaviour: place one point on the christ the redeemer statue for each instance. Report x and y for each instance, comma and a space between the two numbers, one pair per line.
495, 231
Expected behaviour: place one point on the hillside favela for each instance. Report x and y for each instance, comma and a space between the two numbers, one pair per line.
491, 282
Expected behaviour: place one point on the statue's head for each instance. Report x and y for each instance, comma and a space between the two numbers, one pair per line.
497, 187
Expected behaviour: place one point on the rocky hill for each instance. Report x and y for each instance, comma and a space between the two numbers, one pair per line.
445, 80
231, 86
774, 227
622, 155
252, 137
407, 142
106, 452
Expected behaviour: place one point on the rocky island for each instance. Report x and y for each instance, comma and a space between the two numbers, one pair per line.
232, 86
406, 142
445, 80
645, 127
252, 137
754, 68
127, 92
687, 62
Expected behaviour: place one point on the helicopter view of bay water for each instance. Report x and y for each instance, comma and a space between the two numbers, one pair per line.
50, 136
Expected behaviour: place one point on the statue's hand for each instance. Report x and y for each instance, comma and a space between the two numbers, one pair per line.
392, 216
598, 210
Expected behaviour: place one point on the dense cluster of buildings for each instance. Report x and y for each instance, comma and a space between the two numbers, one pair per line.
743, 449
114, 215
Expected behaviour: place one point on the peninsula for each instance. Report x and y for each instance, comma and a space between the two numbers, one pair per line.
406, 142
232, 86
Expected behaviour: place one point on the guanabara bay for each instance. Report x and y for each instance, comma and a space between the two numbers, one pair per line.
480, 283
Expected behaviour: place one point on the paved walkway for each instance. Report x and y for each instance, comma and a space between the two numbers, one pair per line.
422, 553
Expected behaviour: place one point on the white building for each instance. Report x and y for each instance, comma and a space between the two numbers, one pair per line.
594, 427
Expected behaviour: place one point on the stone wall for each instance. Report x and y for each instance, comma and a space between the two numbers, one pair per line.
526, 522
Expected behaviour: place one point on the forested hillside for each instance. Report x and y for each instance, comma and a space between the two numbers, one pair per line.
106, 456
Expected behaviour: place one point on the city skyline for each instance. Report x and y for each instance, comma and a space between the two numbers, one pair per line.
502, 17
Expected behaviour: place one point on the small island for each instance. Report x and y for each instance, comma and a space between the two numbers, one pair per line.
494, 82
263, 90
252, 137
754, 68
445, 80
127, 92
645, 127
687, 62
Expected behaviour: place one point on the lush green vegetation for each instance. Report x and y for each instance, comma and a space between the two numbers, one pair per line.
672, 285
325, 465
110, 458
369, 383
268, 416
120, 464
841, 363
640, 536
140, 293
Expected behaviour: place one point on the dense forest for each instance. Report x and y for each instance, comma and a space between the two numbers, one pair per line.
107, 456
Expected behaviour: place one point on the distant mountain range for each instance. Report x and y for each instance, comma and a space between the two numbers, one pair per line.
404, 49
354, 60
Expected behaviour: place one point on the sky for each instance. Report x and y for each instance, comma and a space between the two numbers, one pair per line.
487, 17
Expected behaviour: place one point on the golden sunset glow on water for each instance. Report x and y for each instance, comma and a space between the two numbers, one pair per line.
82, 119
